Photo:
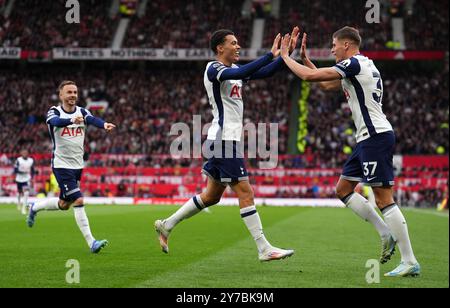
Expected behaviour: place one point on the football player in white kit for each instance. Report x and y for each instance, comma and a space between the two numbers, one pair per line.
24, 171
67, 127
223, 81
372, 159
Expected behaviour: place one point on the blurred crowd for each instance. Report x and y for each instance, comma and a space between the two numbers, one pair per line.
320, 19
146, 99
181, 24
416, 105
426, 26
145, 103
422, 198
425, 22
41, 25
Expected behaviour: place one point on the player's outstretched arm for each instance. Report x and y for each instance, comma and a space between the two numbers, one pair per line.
334, 85
109, 126
304, 72
97, 122
245, 71
54, 119
268, 70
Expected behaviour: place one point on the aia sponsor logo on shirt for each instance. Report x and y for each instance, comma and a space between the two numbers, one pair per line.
72, 132
236, 92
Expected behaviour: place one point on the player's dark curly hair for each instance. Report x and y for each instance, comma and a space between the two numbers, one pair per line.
218, 37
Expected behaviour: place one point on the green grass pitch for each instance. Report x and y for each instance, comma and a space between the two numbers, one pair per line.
213, 249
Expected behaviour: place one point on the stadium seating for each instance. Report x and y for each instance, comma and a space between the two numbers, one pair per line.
415, 105
26, 28
195, 21
177, 24
422, 34
421, 181
145, 113
321, 19
147, 98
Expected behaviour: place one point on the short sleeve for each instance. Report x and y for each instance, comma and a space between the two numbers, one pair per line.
215, 70
86, 113
348, 68
52, 113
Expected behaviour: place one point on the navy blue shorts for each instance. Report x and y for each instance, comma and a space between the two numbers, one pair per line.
226, 163
68, 182
21, 186
372, 161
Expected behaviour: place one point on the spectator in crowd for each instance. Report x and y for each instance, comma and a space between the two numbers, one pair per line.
27, 26
417, 106
181, 24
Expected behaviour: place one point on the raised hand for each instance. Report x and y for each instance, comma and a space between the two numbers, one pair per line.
303, 55
109, 127
78, 120
294, 36
276, 46
285, 43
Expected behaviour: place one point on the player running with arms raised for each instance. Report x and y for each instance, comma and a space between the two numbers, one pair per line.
67, 127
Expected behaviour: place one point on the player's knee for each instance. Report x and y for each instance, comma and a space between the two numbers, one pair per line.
78, 202
383, 197
64, 205
383, 202
341, 192
379, 202
247, 197
210, 200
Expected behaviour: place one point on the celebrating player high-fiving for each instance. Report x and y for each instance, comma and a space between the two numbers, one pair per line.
372, 160
223, 80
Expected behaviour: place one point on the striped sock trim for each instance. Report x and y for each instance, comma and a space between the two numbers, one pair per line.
248, 211
248, 214
387, 208
346, 198
197, 203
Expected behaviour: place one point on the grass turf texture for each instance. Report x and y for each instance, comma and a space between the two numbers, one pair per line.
213, 250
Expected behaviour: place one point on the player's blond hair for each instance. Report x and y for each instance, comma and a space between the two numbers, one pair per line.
66, 83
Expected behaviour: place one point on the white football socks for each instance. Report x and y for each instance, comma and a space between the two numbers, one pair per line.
26, 194
83, 224
397, 224
47, 204
190, 208
253, 223
361, 207
19, 199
